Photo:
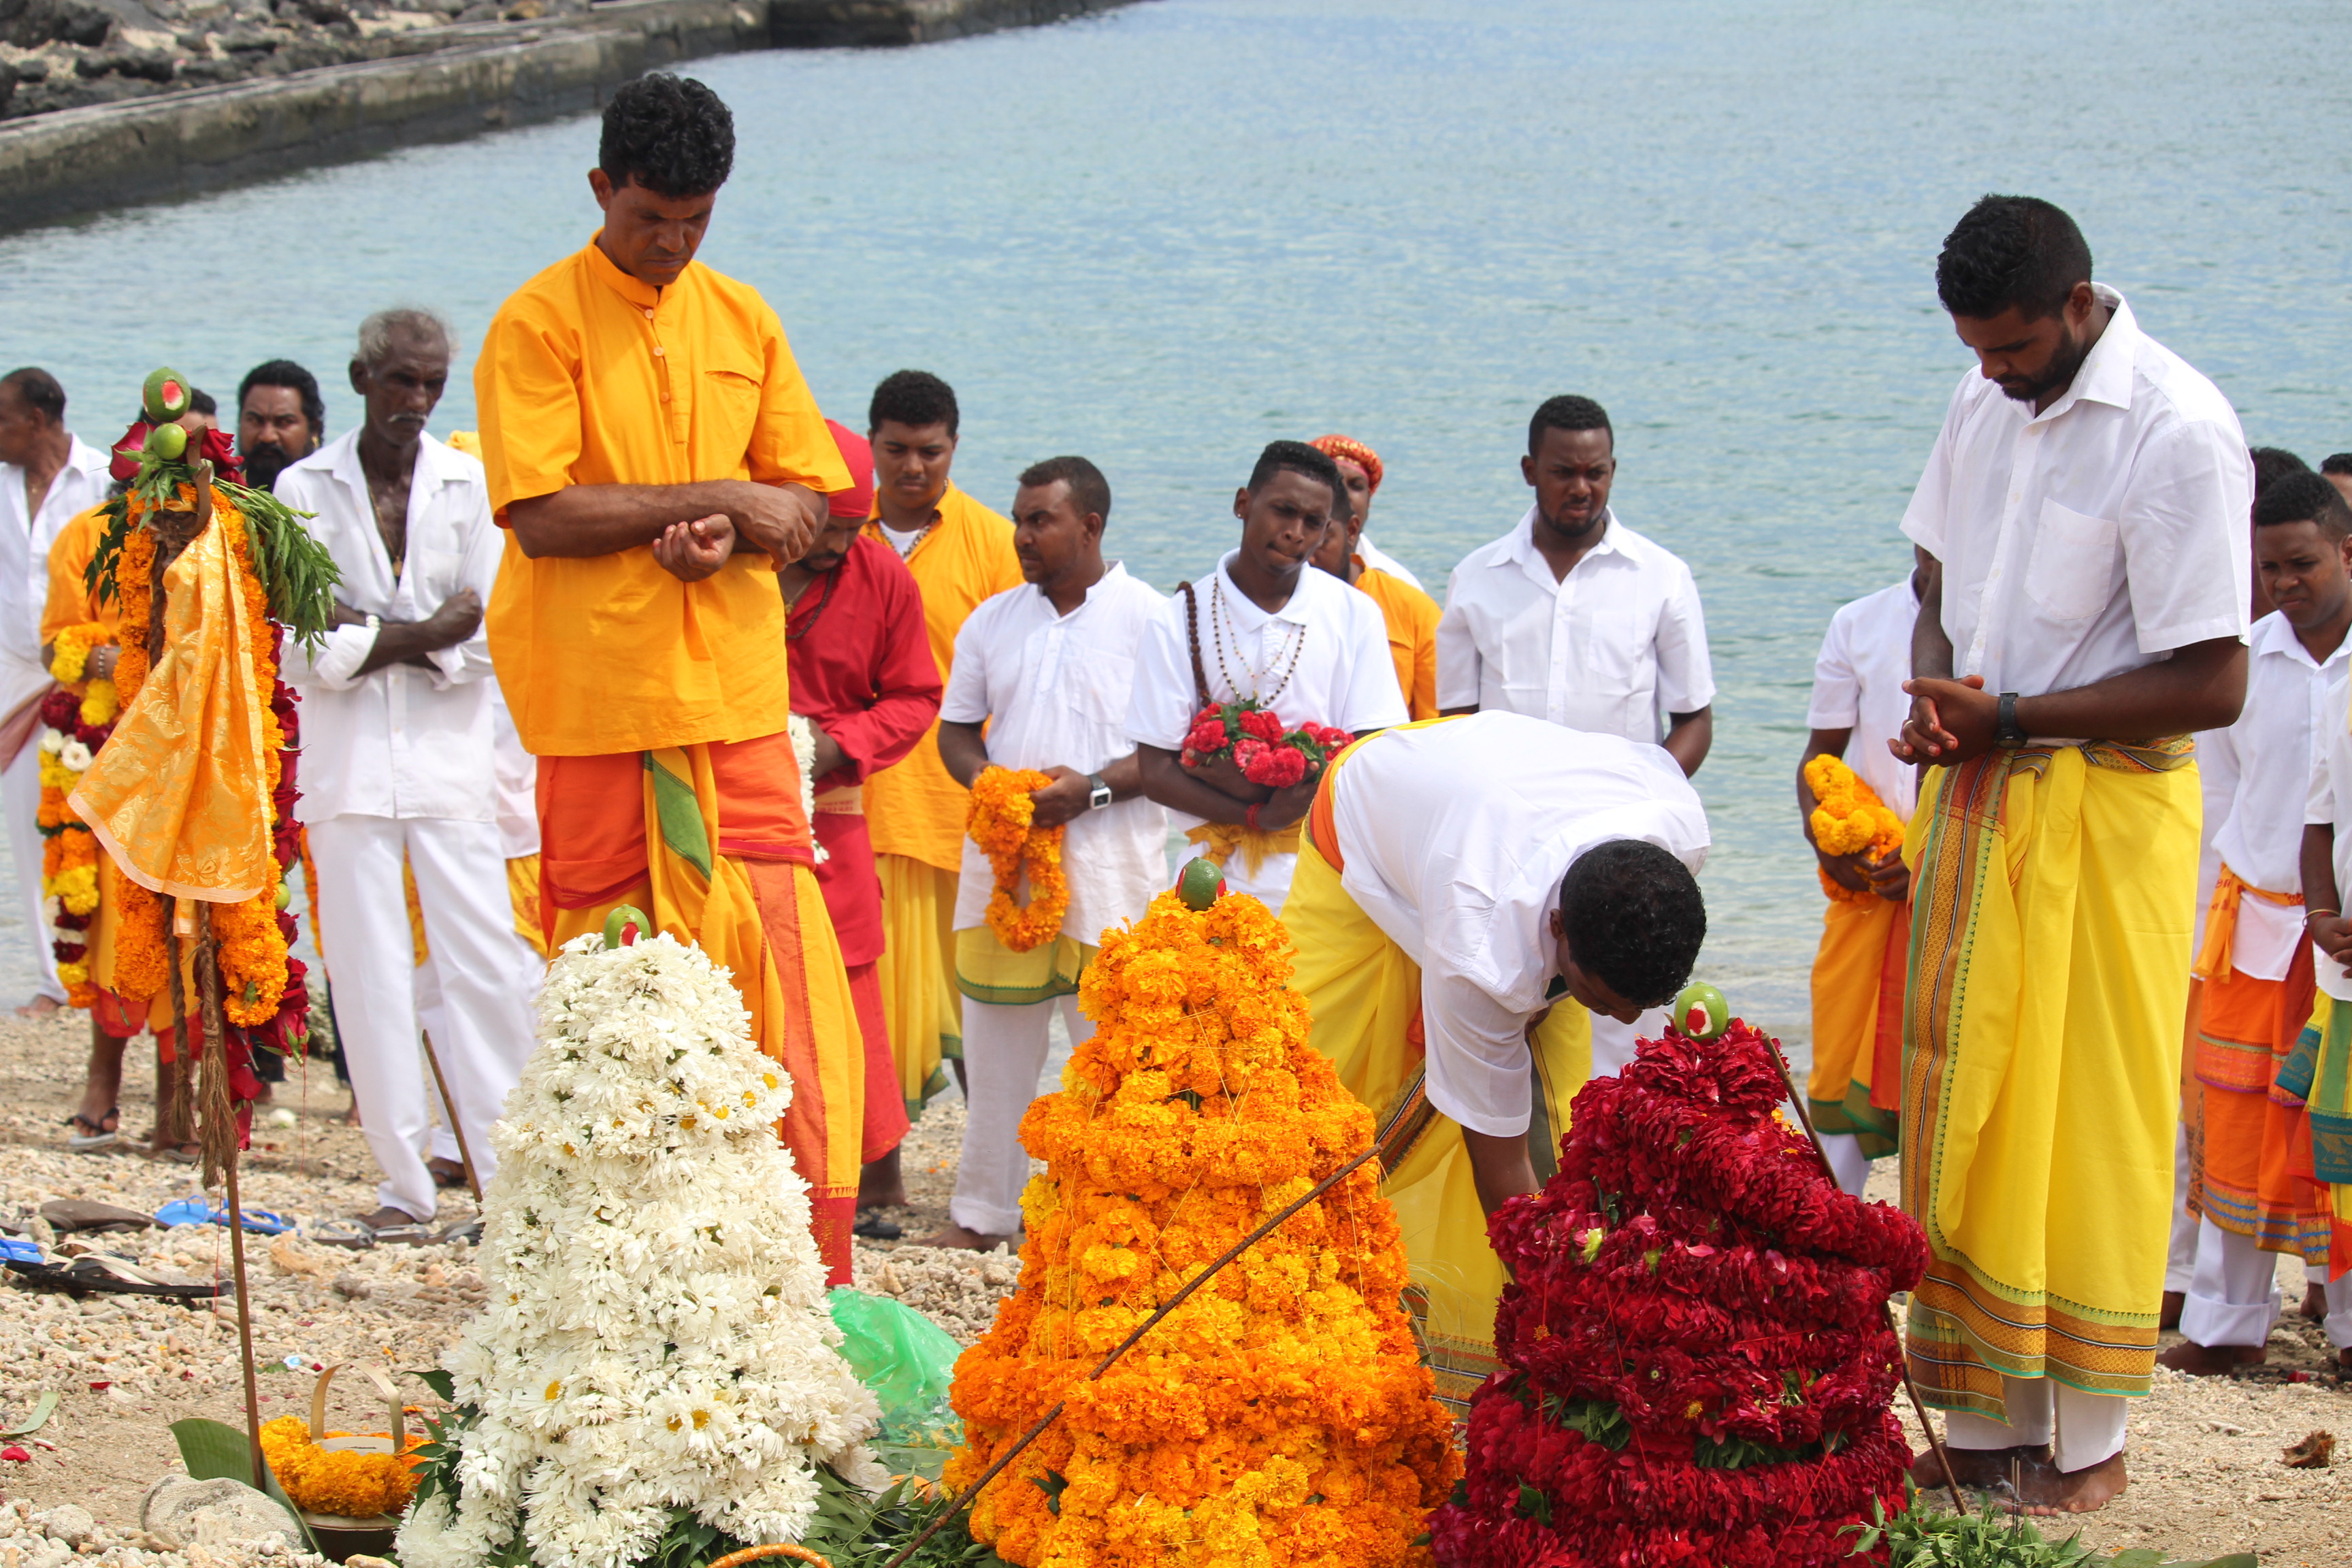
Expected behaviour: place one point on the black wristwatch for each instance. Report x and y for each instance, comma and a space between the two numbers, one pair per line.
1097, 791
2005, 733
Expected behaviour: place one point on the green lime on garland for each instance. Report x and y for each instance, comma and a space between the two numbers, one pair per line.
1701, 1012
1200, 884
169, 442
164, 395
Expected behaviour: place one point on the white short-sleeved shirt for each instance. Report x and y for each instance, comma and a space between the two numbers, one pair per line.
1454, 837
1054, 691
2097, 537
25, 540
1858, 680
398, 742
2331, 792
1341, 676
1611, 649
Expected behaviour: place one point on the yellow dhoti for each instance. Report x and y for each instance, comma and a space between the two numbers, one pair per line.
2053, 898
1365, 995
1858, 976
916, 973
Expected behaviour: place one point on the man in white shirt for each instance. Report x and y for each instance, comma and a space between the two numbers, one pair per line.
47, 475
1047, 667
399, 748
2085, 615
1858, 706
1301, 644
2257, 962
1461, 879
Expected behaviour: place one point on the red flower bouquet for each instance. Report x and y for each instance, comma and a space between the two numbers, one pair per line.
1243, 750
1696, 1361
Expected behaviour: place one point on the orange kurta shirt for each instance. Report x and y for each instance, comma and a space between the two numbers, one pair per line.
68, 603
1411, 617
589, 376
915, 809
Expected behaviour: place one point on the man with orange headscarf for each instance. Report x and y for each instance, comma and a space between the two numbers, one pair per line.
657, 456
1411, 614
864, 679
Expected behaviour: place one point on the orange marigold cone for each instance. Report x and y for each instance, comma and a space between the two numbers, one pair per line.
1281, 1416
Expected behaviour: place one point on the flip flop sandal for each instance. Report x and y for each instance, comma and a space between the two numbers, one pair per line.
464, 1230
199, 1211
94, 1136
70, 1215
874, 1227
114, 1276
403, 1236
177, 1155
346, 1233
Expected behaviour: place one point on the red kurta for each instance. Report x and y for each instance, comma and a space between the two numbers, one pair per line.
862, 672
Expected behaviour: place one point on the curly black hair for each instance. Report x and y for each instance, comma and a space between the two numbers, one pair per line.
285, 372
1569, 412
2305, 497
1634, 919
670, 135
1299, 458
2011, 250
2273, 464
913, 398
1087, 486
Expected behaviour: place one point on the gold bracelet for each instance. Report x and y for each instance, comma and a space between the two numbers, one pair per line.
2309, 914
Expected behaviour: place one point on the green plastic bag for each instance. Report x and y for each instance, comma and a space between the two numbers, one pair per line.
907, 1361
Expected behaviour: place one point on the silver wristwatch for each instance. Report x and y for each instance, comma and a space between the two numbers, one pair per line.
1098, 793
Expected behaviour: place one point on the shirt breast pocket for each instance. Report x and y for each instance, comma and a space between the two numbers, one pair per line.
731, 407
2072, 571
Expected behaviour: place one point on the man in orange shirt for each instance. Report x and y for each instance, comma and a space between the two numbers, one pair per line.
1411, 615
961, 553
655, 456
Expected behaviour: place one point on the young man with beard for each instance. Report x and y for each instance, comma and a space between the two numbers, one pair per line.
400, 767
280, 419
656, 458
2085, 614
1042, 679
1410, 614
864, 678
1264, 629
961, 553
47, 474
2257, 963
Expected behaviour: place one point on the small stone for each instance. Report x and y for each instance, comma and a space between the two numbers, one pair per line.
211, 1514
69, 1523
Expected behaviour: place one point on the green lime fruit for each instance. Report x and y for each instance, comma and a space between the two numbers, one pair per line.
624, 926
164, 395
1701, 1012
1199, 883
169, 442
285, 895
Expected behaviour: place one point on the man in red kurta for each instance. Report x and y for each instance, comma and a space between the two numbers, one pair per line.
862, 675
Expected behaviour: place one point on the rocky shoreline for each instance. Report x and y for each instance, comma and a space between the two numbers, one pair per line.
105, 103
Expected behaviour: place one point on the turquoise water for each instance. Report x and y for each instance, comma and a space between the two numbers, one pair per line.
1163, 235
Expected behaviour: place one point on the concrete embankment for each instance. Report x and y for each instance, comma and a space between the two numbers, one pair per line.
478, 76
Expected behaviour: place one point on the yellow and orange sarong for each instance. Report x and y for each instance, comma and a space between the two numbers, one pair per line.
2246, 1128
1858, 976
2039, 1108
917, 973
2319, 1073
1365, 995
708, 840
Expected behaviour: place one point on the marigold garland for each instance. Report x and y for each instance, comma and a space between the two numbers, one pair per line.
1281, 1417
1848, 818
998, 820
1696, 1363
333, 1481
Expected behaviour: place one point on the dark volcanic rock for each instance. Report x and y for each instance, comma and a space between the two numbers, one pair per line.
29, 24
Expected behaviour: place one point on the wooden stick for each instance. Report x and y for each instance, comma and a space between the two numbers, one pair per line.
450, 1109
1919, 1405
221, 1126
973, 1492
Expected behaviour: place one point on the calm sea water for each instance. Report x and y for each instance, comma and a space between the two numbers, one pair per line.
1164, 235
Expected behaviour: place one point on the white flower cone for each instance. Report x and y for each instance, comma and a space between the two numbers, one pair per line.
656, 1335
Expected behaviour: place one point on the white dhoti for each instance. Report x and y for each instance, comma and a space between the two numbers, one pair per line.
20, 803
1005, 1051
485, 977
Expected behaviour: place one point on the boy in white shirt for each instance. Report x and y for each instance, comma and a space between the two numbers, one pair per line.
1047, 667
399, 765
1302, 644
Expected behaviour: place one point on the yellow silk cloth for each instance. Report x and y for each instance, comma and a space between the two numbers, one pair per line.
522, 892
1365, 995
912, 808
2053, 896
2221, 922
1219, 841
1858, 974
764, 923
917, 973
180, 794
69, 603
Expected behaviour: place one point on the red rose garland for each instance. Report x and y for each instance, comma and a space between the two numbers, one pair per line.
1696, 1363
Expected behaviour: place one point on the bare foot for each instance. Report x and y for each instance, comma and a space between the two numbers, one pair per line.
39, 1007
2315, 1301
880, 1185
2167, 1317
966, 1240
351, 1117
1978, 1470
2051, 1490
2210, 1361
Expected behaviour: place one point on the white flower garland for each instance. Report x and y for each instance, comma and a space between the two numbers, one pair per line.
803, 735
657, 1334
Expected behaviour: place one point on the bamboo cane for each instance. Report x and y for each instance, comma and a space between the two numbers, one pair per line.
450, 1109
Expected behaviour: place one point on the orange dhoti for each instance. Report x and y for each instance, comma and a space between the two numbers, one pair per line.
730, 869
2245, 1133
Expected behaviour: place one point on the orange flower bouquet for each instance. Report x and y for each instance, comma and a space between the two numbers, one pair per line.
1848, 817
1000, 821
1281, 1415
